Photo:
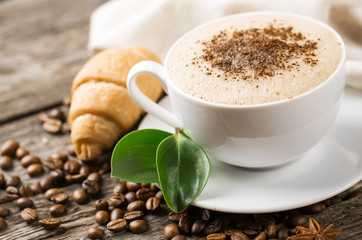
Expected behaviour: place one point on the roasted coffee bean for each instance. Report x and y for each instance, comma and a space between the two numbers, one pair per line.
283, 233
72, 166
270, 230
130, 216
58, 210
24, 202
120, 188
264, 219
3, 224
185, 224
4, 212
9, 148
6, 162
29, 215
12, 181
76, 178
5, 199
42, 117
314, 208
35, 188
60, 155
333, 200
297, 220
46, 184
232, 231
95, 232
138, 226
138, 205
206, 214
261, 236
131, 197
211, 229
57, 176
2, 180
70, 150
239, 236
198, 226
106, 167
153, 204
51, 192
91, 187
117, 200
154, 187
144, 194
145, 185
101, 205
175, 217
27, 160
117, 225
179, 237
171, 230
21, 152
52, 125
12, 193
84, 170
49, 223
53, 163
94, 176
222, 220
102, 217
34, 169
116, 214
60, 198
57, 113
133, 186
80, 196
26, 191
216, 236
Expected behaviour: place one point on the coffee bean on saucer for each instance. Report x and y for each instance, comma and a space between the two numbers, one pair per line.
9, 148
116, 213
21, 152
29, 215
58, 210
4, 212
171, 230
80, 196
138, 226
101, 205
117, 225
52, 125
51, 192
102, 217
24, 202
138, 205
3, 224
93, 188
29, 159
6, 162
50, 223
95, 233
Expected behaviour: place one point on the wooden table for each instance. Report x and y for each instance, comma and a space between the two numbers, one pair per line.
42, 46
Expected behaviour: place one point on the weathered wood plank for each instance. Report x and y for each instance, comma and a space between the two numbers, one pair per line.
42, 46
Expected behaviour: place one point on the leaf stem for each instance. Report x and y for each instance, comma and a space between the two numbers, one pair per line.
177, 130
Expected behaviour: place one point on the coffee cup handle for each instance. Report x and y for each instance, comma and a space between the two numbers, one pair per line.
142, 100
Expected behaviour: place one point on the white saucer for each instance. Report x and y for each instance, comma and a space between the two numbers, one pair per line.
332, 166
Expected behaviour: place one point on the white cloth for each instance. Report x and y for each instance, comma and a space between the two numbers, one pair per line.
157, 24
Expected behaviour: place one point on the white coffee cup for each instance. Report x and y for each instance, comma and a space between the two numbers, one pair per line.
253, 136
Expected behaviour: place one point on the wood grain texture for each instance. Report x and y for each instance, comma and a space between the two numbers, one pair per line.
42, 46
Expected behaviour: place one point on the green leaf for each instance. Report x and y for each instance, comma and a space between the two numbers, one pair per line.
183, 170
134, 156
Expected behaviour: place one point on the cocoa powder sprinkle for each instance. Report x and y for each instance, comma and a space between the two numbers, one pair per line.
257, 52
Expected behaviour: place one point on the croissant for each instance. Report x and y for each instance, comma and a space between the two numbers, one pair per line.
101, 109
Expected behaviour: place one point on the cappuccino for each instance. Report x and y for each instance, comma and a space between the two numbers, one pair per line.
254, 59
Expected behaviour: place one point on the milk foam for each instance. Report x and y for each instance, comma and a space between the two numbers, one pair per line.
191, 78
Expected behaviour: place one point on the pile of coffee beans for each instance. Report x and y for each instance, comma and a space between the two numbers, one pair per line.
53, 121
